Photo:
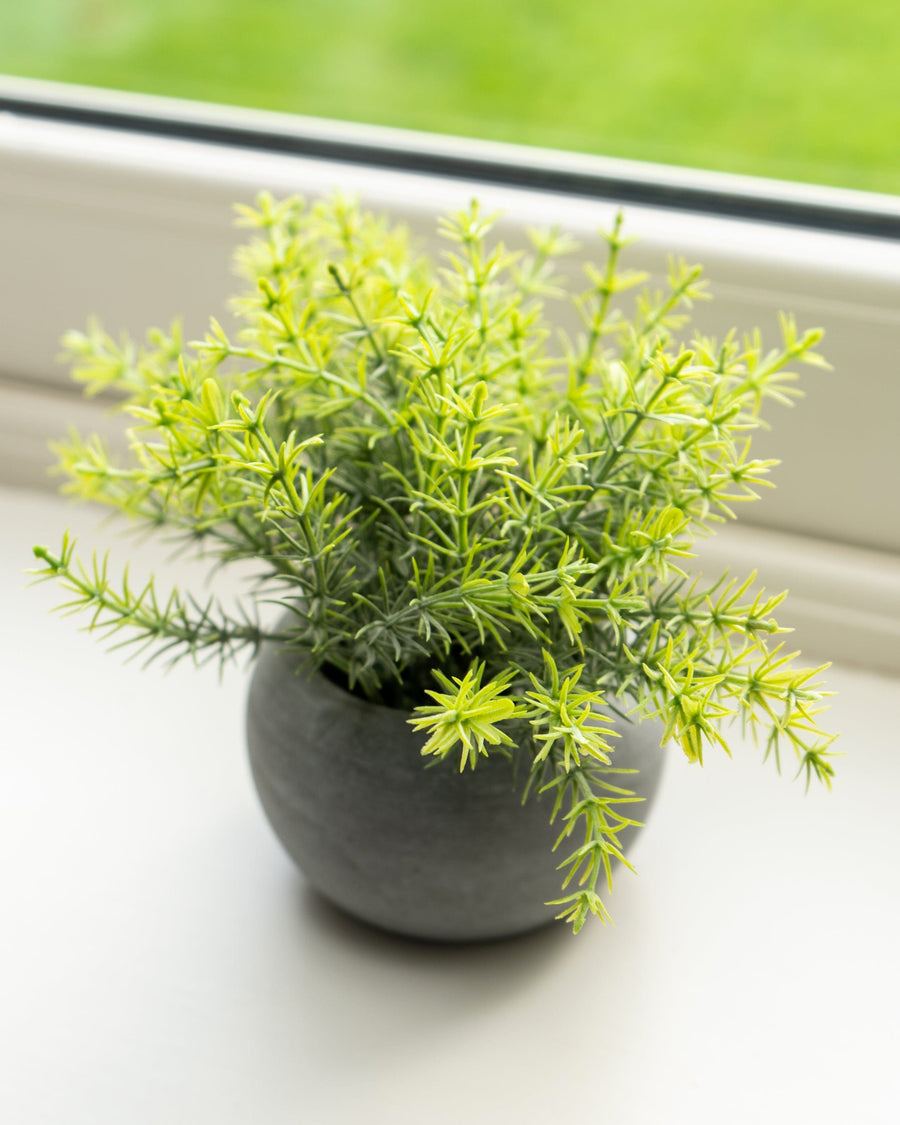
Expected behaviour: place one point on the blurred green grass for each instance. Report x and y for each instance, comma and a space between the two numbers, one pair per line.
797, 89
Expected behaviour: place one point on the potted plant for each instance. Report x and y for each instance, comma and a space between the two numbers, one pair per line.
475, 530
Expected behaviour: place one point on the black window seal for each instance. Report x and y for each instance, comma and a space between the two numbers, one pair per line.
484, 162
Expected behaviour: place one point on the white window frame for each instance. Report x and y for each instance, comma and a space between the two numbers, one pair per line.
121, 206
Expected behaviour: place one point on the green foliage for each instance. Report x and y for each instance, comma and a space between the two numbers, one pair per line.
697, 83
466, 514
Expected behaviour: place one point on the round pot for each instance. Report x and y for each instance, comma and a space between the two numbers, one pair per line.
407, 844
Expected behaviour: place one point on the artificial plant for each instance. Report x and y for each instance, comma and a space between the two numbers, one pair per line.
464, 511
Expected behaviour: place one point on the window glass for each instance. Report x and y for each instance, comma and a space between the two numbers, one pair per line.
795, 89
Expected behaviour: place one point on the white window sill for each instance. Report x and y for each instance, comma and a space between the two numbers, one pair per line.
163, 960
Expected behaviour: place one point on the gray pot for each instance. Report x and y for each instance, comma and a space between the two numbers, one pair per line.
417, 849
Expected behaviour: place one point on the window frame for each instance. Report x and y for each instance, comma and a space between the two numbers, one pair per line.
120, 205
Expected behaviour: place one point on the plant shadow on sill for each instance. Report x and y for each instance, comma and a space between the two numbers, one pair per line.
385, 996
387, 993
328, 987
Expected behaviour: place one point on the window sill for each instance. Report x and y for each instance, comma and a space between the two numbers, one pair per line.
168, 959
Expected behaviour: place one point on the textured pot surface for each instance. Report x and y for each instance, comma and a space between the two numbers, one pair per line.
418, 849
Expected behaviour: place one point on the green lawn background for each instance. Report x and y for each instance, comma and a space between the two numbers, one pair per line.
802, 89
